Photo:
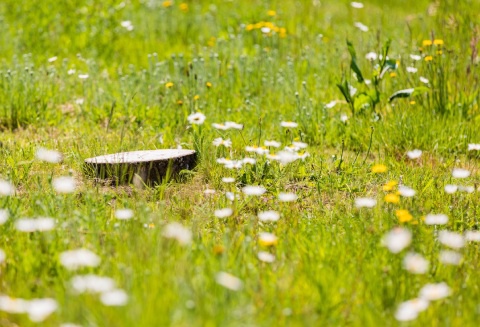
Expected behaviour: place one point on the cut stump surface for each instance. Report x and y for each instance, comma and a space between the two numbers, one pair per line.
140, 167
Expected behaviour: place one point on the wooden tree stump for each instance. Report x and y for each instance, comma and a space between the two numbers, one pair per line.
148, 167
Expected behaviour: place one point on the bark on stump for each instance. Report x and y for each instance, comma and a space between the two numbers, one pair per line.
148, 167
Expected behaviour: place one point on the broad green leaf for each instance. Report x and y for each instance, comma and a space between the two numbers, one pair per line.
345, 91
353, 63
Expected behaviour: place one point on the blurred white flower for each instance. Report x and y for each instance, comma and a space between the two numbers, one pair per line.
274, 144
13, 305
79, 101
254, 190
450, 189
451, 239
286, 157
460, 173
64, 184
365, 202
209, 191
223, 213
75, 259
415, 263
331, 104
29, 225
473, 147
357, 5
83, 76
410, 309
467, 189
412, 70
46, 155
265, 257
288, 124
287, 197
424, 80
228, 180
124, 214
3, 216
450, 257
234, 125
219, 141
472, 236
71, 71
265, 30
178, 232
3, 256
406, 191
415, 57
52, 59
432, 292
436, 219
249, 161
6, 188
196, 118
299, 145
39, 309
397, 239
371, 56
229, 281
127, 25
269, 215
116, 297
343, 118
92, 284
361, 27
414, 154
352, 90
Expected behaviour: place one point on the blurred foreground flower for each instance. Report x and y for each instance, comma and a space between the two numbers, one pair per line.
178, 232
229, 281
79, 258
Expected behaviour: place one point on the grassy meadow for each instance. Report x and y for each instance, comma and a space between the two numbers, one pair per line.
347, 225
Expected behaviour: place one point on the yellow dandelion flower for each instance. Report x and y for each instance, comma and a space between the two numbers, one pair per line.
179, 102
439, 52
438, 42
428, 58
427, 43
392, 198
390, 186
218, 249
393, 74
413, 102
259, 25
184, 7
403, 216
272, 13
379, 168
208, 84
249, 27
151, 225
166, 4
169, 85
196, 97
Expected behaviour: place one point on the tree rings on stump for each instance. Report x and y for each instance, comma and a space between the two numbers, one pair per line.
140, 167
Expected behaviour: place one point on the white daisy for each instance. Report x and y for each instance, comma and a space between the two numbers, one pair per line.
265, 257
178, 232
229, 281
196, 118
124, 214
288, 124
414, 154
415, 263
397, 239
365, 202
287, 197
361, 27
432, 292
46, 155
4, 214
223, 213
450, 257
116, 297
460, 173
436, 219
268, 216
451, 239
254, 190
79, 258
6, 188
64, 184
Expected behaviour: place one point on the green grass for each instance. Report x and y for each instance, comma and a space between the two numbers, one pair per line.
331, 268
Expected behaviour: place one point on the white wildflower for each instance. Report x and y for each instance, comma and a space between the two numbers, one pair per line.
223, 213
450, 257
46, 155
410, 309
288, 124
234, 125
415, 57
83, 76
3, 256
30, 225
39, 309
450, 189
229, 281
52, 59
357, 5
331, 104
228, 180
274, 144
6, 188
265, 257
64, 184
178, 232
196, 118
371, 56
424, 80
414, 154
466, 189
397, 239
406, 191
254, 190
472, 236
473, 147
4, 214
451, 239
92, 284
127, 25
75, 259
412, 70
415, 263
249, 161
361, 27
432, 292
287, 197
436, 219
460, 173
116, 297
268, 216
124, 214
343, 118
219, 141
365, 202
